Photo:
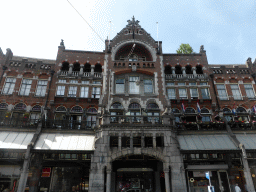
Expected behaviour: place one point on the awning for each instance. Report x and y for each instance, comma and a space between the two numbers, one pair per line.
72, 142
205, 142
15, 140
249, 140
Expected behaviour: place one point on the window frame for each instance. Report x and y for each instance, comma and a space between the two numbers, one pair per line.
117, 92
43, 88
72, 91
238, 89
10, 84
247, 89
135, 86
226, 93
84, 92
25, 87
60, 91
94, 92
152, 86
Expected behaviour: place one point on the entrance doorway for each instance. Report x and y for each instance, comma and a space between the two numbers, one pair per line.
138, 173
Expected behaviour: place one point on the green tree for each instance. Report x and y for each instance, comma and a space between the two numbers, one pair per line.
184, 49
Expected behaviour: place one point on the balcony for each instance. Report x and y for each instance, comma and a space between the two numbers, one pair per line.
200, 126
186, 76
69, 124
79, 74
19, 123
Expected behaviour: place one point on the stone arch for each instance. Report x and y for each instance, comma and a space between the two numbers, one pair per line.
151, 49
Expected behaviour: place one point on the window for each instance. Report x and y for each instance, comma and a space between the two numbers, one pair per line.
60, 90
9, 85
222, 92
96, 92
235, 91
84, 92
120, 86
249, 91
25, 87
192, 83
171, 93
72, 91
193, 93
183, 93
97, 82
62, 81
41, 88
203, 83
181, 84
205, 93
148, 86
170, 84
73, 81
205, 115
134, 85
85, 82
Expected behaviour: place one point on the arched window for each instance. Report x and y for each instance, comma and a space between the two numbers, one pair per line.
134, 106
152, 106
87, 67
92, 110
189, 69
61, 109
175, 110
168, 69
36, 108
98, 68
227, 114
240, 110
205, 115
116, 106
76, 67
65, 66
76, 109
199, 69
20, 106
178, 69
189, 110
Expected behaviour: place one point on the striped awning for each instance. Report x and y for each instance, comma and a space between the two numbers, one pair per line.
249, 140
15, 140
69, 142
205, 142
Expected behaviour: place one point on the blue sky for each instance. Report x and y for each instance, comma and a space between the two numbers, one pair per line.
227, 29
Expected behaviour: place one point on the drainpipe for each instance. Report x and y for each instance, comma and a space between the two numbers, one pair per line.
47, 96
215, 92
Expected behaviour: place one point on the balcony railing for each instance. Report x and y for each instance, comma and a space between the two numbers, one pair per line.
199, 126
120, 119
186, 76
138, 64
19, 123
82, 74
69, 124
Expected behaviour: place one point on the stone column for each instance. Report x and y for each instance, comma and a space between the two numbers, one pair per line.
167, 180
92, 70
81, 70
178, 176
142, 141
173, 70
131, 142
108, 187
154, 140
70, 69
183, 71
194, 70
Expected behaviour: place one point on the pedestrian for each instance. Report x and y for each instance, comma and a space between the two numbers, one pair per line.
237, 188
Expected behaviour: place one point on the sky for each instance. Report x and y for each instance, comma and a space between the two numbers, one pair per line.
226, 28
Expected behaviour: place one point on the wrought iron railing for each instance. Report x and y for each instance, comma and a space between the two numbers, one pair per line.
68, 124
200, 126
19, 123
120, 119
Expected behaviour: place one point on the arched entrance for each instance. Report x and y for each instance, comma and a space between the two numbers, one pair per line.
138, 173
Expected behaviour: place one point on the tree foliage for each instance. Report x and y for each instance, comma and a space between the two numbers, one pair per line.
184, 49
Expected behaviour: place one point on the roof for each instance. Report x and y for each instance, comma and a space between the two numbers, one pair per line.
15, 140
19, 58
57, 141
249, 140
206, 142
